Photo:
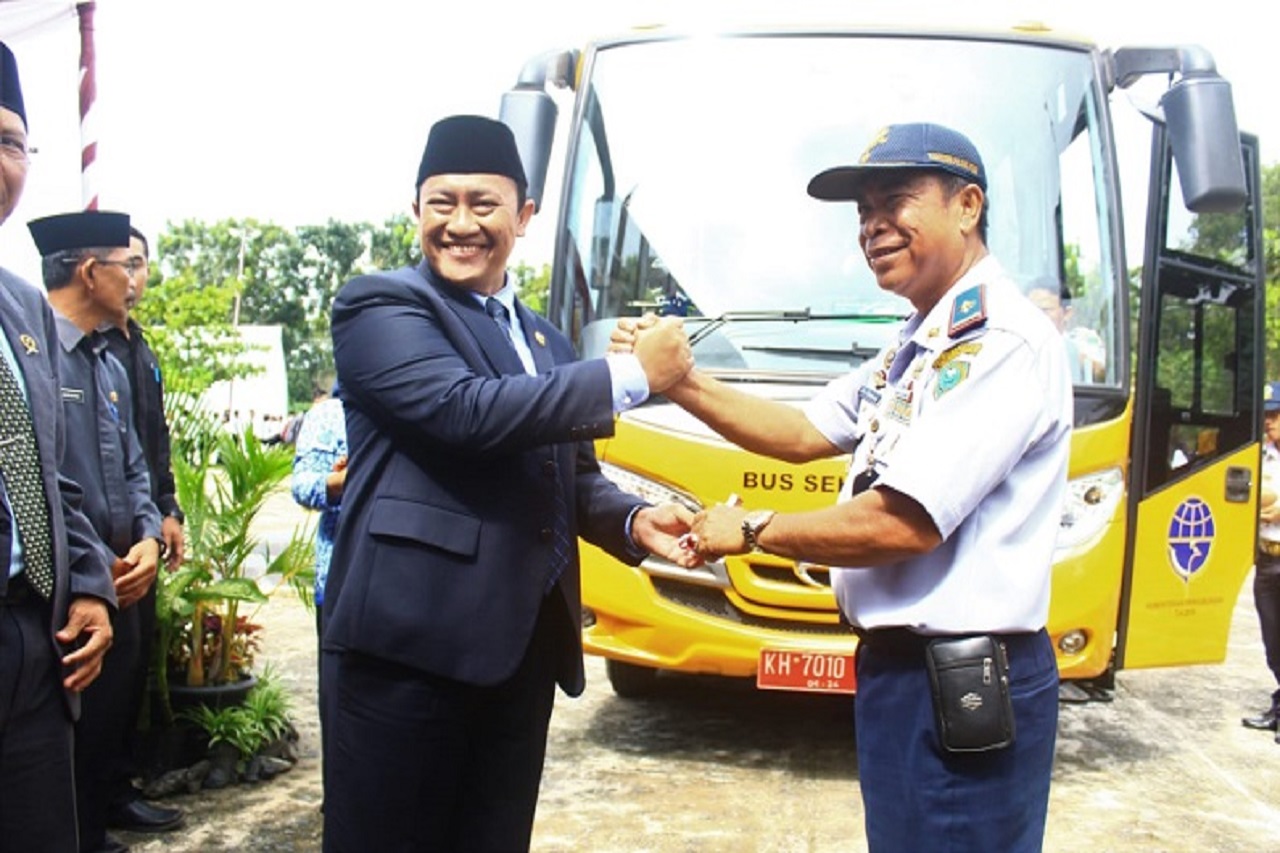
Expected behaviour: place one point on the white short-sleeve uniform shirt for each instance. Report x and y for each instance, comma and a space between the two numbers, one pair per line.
970, 415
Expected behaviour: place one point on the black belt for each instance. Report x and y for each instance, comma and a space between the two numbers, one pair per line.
18, 592
1271, 549
905, 643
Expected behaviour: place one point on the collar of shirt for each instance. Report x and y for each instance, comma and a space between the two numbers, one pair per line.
930, 331
507, 296
70, 335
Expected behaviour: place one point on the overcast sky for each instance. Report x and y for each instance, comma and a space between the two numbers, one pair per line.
297, 112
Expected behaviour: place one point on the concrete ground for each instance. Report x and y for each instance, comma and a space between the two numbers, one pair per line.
714, 765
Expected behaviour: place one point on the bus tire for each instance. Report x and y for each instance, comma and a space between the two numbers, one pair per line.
630, 681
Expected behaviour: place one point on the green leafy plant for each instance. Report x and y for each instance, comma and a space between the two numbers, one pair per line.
268, 705
262, 718
232, 725
223, 484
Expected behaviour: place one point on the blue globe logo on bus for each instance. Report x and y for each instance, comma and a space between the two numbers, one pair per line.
1190, 537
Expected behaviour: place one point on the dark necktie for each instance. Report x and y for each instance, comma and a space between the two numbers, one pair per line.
20, 466
498, 312
561, 547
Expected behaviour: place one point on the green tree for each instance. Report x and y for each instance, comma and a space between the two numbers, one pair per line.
1271, 257
170, 312
395, 244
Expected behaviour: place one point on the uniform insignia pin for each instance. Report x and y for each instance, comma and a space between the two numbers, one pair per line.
540, 338
29, 344
969, 311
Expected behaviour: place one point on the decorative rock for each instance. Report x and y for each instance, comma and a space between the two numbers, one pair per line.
273, 767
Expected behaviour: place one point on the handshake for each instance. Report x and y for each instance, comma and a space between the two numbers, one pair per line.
660, 344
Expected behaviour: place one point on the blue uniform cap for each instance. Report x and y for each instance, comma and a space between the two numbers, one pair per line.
1271, 397
920, 145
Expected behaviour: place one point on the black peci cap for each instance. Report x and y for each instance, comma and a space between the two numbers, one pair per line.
471, 145
10, 85
88, 229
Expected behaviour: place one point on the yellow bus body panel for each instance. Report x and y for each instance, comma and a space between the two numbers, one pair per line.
1178, 616
1086, 582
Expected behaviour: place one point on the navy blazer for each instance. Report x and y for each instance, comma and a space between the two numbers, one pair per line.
442, 553
81, 564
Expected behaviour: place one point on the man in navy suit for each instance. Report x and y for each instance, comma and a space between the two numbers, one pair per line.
54, 630
452, 606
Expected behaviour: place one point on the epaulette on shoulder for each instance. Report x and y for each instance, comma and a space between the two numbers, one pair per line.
968, 311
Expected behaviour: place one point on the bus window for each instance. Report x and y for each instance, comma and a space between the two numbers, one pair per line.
1203, 403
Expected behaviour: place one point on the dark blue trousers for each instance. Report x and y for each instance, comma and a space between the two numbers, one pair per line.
37, 787
416, 763
919, 797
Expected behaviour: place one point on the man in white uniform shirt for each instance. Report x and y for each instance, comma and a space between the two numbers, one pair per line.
960, 435
1266, 577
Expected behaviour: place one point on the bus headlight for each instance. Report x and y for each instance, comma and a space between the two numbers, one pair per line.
1073, 642
649, 490
1091, 503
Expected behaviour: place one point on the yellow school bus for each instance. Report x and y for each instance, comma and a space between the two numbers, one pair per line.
683, 192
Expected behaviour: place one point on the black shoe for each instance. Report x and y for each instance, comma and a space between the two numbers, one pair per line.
111, 844
1265, 720
141, 816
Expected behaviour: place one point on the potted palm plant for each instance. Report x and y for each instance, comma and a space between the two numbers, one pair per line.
207, 637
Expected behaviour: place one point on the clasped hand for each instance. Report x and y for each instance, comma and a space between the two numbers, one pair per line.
661, 345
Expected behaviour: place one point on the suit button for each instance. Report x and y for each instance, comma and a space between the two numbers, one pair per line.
545, 534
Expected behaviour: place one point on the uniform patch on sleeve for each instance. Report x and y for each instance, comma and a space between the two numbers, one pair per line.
951, 375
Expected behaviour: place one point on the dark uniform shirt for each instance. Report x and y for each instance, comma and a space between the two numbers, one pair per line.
103, 454
147, 386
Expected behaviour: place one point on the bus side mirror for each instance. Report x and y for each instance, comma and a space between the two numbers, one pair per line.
1201, 119
531, 115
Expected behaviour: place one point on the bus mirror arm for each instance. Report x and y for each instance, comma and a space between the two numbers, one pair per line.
1200, 116
1129, 63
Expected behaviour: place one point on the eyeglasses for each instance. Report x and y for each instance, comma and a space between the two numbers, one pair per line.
14, 148
131, 266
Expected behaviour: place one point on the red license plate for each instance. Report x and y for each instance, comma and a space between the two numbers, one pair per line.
818, 672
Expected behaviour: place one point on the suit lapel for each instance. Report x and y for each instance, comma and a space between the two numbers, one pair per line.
497, 352
535, 338
29, 345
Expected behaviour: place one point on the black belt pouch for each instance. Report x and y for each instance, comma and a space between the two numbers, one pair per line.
969, 677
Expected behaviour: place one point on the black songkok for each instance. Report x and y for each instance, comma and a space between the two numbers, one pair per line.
471, 145
88, 229
10, 86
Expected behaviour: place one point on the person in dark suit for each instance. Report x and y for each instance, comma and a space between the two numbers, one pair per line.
452, 607
127, 341
56, 590
86, 264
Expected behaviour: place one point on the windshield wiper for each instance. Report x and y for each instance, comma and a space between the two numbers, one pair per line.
747, 317
784, 315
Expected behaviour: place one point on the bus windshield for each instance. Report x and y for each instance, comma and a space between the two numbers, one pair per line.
686, 192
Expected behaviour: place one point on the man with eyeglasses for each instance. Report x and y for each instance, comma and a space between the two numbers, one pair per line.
56, 589
126, 341
86, 267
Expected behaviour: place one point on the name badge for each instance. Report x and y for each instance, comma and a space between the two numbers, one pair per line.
72, 395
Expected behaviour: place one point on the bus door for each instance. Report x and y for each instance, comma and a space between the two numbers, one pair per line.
1192, 514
